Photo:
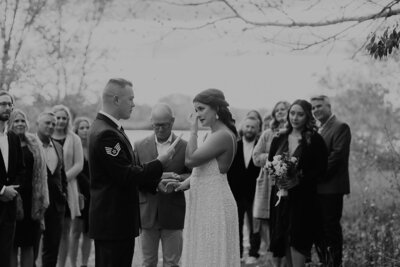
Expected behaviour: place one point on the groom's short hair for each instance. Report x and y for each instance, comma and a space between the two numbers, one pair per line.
110, 90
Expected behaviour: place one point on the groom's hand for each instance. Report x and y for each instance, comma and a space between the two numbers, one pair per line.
171, 175
167, 185
166, 157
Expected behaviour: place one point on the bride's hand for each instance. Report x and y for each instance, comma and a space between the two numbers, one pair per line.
194, 123
182, 186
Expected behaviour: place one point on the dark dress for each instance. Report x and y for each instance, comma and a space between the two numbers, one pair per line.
27, 229
293, 221
67, 210
84, 188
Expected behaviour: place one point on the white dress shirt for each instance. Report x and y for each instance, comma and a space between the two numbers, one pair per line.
119, 125
248, 148
50, 155
4, 148
162, 147
4, 152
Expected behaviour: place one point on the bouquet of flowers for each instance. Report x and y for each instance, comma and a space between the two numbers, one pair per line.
282, 169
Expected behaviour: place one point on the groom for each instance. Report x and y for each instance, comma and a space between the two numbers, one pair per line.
114, 217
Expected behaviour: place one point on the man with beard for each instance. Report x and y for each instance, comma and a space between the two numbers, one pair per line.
11, 170
242, 178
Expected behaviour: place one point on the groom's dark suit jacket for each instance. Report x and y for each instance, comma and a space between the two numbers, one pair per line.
243, 180
337, 137
114, 178
12, 176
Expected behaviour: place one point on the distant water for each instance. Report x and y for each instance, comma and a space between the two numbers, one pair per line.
135, 135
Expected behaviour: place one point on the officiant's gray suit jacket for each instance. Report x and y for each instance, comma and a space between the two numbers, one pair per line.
168, 210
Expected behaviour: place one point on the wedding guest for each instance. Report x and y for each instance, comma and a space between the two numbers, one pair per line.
255, 114
335, 184
11, 171
242, 177
267, 122
57, 185
80, 225
263, 185
73, 163
162, 215
293, 215
115, 176
33, 191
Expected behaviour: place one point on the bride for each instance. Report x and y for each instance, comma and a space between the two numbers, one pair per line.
211, 233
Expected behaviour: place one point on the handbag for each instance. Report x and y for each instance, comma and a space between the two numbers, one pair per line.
19, 208
261, 197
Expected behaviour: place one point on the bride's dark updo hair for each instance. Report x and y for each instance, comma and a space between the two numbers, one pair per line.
216, 100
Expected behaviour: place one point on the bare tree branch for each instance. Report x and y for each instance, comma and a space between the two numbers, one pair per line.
387, 11
207, 24
327, 39
190, 4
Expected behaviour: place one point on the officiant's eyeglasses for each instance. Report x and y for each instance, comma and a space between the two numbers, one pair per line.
161, 125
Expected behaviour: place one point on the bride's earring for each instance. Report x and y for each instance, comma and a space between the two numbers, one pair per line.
216, 116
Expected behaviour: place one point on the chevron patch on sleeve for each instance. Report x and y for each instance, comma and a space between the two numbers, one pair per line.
113, 151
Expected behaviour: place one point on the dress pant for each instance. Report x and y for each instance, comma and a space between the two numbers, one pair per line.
245, 206
114, 253
54, 219
7, 231
171, 242
329, 241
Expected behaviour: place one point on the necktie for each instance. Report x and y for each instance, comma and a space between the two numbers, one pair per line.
121, 129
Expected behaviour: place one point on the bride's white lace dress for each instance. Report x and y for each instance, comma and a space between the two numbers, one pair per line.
211, 233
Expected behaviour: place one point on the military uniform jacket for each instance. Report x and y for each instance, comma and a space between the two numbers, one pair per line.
114, 178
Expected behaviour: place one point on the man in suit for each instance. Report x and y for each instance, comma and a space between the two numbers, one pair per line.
11, 170
335, 184
57, 184
162, 215
242, 178
114, 216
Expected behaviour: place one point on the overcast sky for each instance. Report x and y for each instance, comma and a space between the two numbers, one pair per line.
251, 73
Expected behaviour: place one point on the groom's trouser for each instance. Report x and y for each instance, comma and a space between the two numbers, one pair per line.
171, 242
114, 253
245, 206
330, 238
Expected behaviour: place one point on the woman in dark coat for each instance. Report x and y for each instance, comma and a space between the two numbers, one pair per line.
33, 191
293, 220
